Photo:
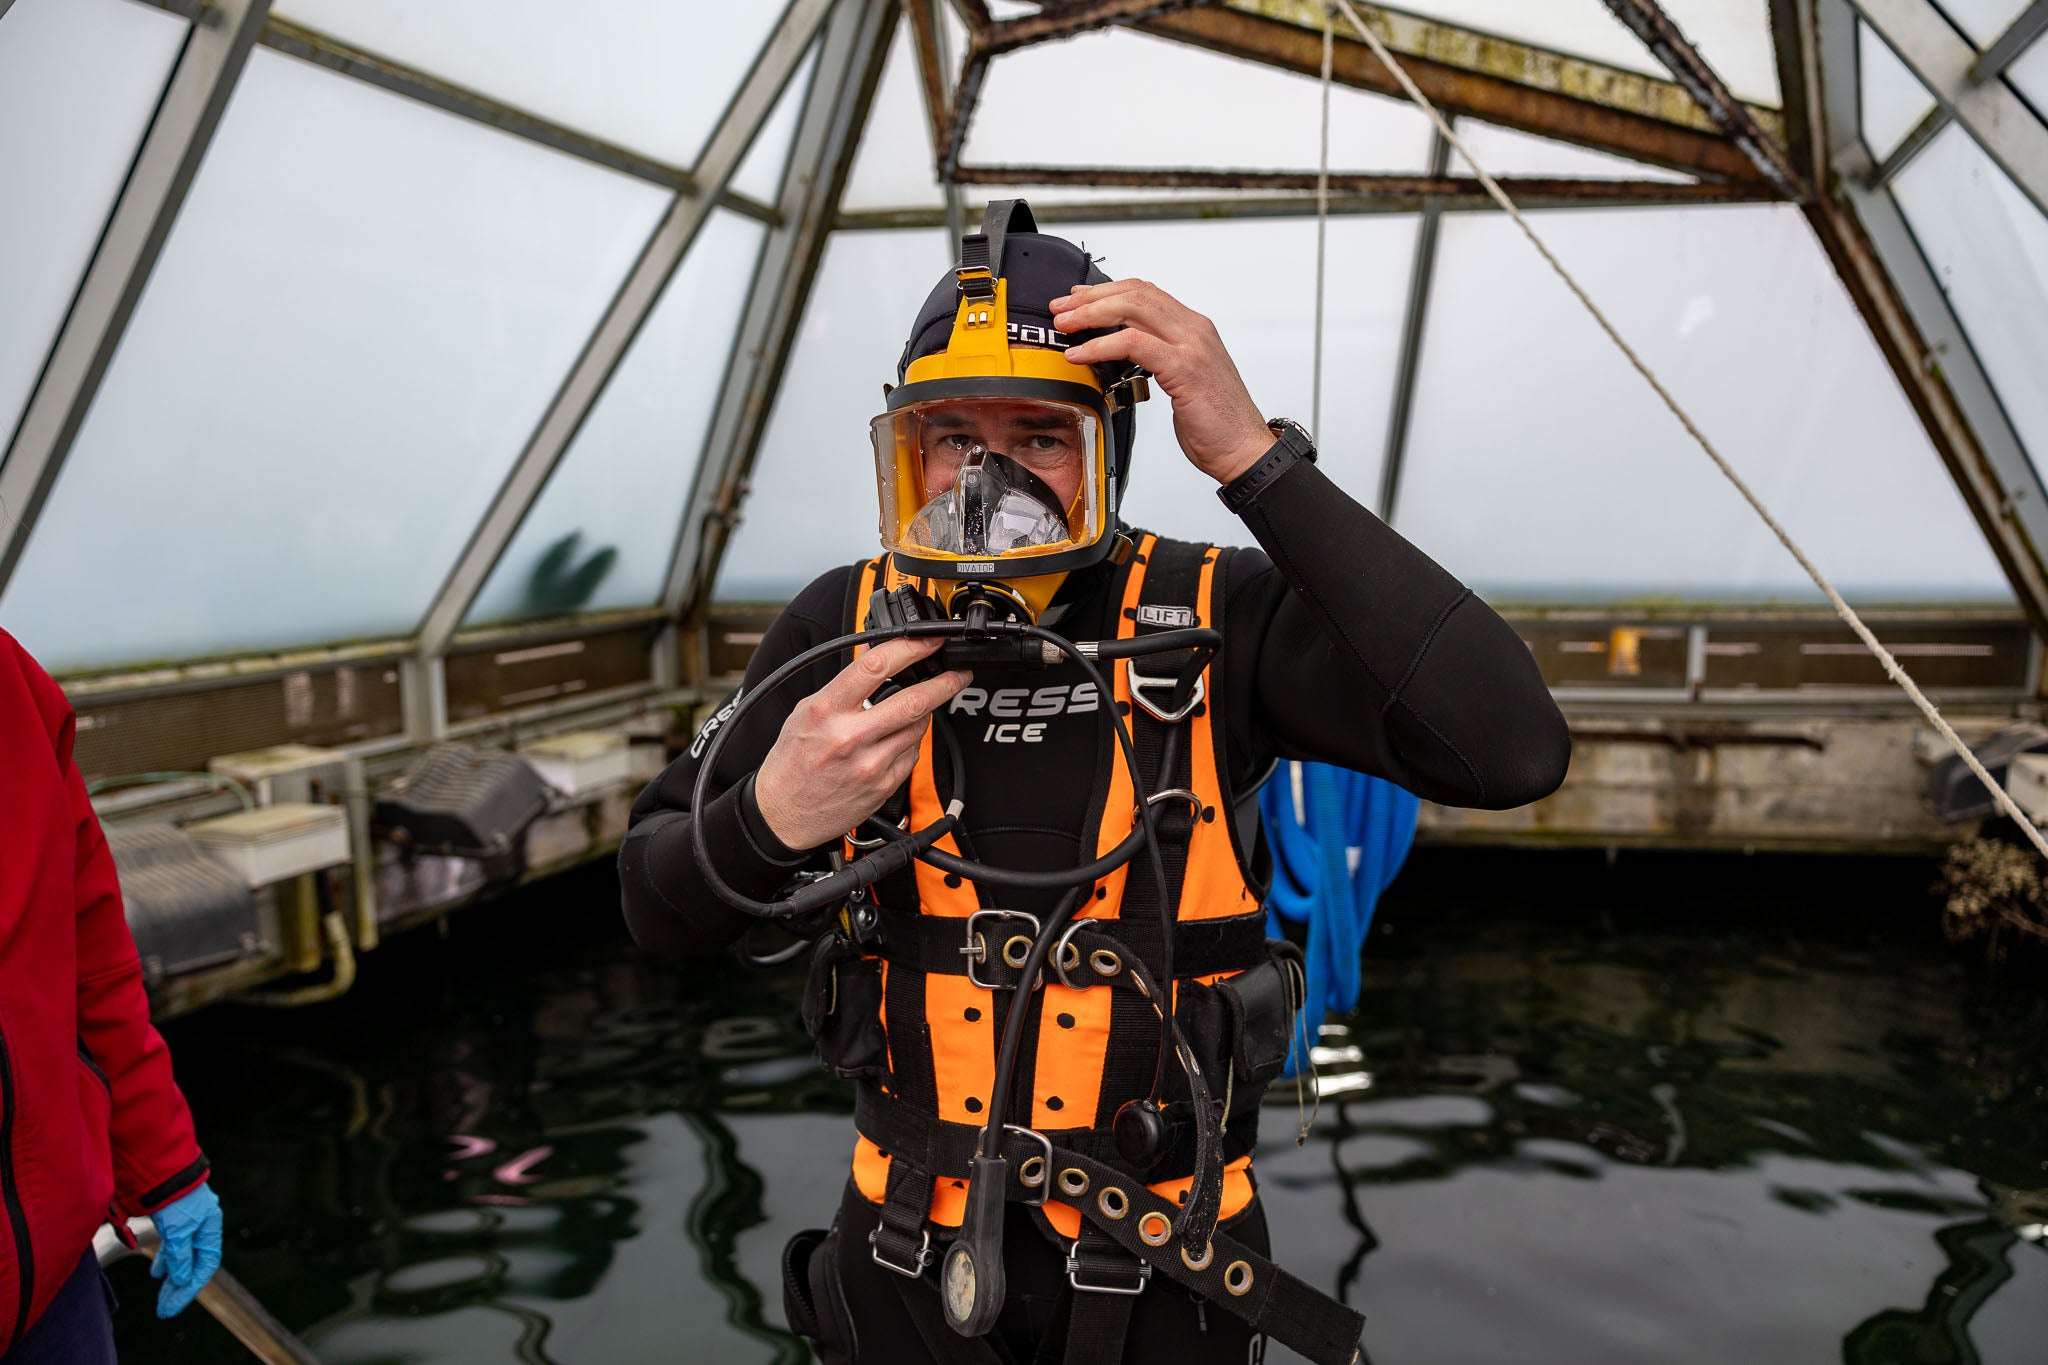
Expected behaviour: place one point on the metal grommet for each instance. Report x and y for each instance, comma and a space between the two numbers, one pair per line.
1016, 949
1031, 1172
1113, 1202
1105, 963
1237, 1278
1074, 1181
1068, 958
1208, 1255
1148, 1222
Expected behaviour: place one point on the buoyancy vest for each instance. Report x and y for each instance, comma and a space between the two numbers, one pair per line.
1095, 1048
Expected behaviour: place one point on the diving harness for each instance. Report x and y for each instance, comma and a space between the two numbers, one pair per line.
1124, 1222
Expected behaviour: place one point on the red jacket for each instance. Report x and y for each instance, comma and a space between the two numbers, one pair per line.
91, 1124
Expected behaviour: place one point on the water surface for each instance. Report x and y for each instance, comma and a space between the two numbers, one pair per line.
1676, 1110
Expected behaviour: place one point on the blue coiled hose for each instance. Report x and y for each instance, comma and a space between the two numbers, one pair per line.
1338, 839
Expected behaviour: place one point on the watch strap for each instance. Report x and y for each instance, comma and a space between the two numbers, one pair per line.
1291, 446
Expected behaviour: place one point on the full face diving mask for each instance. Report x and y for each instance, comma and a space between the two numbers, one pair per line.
992, 460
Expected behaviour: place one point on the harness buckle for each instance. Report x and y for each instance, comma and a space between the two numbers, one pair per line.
1141, 682
918, 1262
1039, 1178
976, 950
1133, 1289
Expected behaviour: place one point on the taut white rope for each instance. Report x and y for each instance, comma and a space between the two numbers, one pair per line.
1842, 609
1315, 415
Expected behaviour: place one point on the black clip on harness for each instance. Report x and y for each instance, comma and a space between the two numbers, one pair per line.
972, 1280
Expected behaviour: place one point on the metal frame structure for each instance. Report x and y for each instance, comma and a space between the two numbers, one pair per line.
215, 53
1967, 88
1809, 153
664, 252
856, 43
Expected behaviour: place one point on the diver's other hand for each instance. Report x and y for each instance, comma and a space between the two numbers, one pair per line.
837, 761
1221, 430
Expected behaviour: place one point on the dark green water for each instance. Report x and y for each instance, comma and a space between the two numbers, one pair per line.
1681, 1110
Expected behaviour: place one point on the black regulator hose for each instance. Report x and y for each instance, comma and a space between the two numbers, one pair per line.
900, 849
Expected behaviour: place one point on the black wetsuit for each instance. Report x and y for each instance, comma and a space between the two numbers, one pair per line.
1343, 644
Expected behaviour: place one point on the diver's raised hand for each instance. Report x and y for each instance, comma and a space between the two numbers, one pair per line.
1220, 429
837, 760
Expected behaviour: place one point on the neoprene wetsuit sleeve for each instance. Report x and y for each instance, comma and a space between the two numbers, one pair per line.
1355, 648
668, 905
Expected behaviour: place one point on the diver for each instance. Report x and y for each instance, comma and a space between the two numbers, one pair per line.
1030, 801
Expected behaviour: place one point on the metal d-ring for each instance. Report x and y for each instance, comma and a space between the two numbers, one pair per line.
1194, 801
1066, 957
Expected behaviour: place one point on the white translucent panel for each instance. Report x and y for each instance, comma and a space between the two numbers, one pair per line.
1504, 151
1892, 99
1269, 329
759, 174
813, 498
650, 76
1540, 466
893, 166
812, 503
1153, 102
604, 529
358, 320
1982, 21
1989, 247
2029, 75
79, 80
1734, 36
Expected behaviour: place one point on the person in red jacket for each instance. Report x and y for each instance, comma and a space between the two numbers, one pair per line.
92, 1126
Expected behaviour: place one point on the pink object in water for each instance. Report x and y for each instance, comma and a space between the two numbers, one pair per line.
518, 1171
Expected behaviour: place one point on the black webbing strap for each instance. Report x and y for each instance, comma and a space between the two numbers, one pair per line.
901, 1241
1103, 1282
942, 1150
1167, 598
933, 943
921, 1301
1224, 1270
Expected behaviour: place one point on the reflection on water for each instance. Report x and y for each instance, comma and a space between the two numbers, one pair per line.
1680, 1111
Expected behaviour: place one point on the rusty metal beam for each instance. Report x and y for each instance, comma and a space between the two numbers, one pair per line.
1671, 47
1406, 187
1471, 198
1066, 20
1800, 88
924, 41
1483, 77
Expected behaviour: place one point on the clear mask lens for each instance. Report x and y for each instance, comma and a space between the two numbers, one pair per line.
989, 478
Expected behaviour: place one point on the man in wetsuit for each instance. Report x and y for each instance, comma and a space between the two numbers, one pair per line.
1342, 644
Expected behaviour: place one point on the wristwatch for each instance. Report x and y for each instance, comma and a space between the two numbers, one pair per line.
1291, 444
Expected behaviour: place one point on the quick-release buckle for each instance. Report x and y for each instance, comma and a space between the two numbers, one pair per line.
1074, 1276
915, 1269
1038, 1179
977, 946
1139, 682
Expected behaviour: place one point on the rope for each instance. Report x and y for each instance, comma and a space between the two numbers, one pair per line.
1842, 609
1315, 414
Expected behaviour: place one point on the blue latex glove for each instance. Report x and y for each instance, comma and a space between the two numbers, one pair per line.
190, 1229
